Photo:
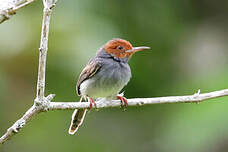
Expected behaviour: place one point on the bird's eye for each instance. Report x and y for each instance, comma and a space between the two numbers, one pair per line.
119, 47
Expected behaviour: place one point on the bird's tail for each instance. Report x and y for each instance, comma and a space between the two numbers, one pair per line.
77, 119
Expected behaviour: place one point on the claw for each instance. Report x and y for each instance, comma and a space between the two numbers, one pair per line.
123, 101
91, 102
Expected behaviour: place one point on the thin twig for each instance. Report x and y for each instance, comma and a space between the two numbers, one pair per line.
15, 128
9, 9
43, 51
41, 102
103, 103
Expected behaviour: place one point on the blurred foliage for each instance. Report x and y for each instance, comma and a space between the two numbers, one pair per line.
189, 51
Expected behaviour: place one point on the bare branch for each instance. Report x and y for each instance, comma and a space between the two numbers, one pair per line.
46, 105
103, 103
9, 7
15, 128
41, 102
48, 5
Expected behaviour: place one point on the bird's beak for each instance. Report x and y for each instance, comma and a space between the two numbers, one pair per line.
136, 49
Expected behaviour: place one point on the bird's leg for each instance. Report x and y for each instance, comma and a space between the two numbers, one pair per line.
123, 101
91, 102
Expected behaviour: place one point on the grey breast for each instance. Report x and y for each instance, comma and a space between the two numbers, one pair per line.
109, 80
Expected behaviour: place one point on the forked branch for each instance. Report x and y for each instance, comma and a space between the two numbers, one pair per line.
46, 105
42, 103
9, 7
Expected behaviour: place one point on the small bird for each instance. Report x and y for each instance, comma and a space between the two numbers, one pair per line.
104, 76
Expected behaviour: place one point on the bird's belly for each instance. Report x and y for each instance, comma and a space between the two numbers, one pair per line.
105, 85
94, 90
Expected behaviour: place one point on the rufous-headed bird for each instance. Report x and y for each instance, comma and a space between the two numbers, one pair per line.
104, 76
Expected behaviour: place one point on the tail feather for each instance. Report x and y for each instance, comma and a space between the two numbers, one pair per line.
77, 120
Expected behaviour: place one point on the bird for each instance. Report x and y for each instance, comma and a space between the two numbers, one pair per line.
104, 77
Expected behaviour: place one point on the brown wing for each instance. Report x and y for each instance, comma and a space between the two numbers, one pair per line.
86, 73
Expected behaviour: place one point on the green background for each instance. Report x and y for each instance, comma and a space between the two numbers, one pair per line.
188, 40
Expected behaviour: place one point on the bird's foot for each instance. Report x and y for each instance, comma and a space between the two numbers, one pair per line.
124, 102
91, 102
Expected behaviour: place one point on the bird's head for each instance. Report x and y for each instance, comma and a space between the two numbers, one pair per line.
120, 48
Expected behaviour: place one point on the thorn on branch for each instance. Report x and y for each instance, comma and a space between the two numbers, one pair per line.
196, 95
17, 125
50, 97
52, 6
140, 103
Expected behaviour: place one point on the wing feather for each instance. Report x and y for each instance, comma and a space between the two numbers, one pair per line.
89, 71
